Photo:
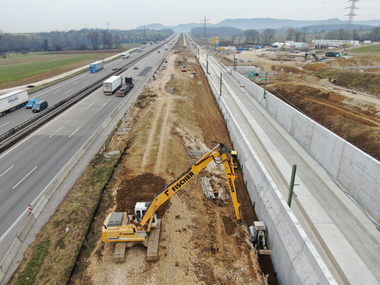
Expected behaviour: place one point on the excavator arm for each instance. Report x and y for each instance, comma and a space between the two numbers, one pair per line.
189, 174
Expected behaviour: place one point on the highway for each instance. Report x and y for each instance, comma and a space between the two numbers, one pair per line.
29, 166
346, 240
59, 91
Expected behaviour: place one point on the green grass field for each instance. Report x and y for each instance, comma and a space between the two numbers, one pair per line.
18, 67
371, 48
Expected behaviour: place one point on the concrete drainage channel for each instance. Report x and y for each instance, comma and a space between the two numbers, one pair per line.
295, 259
40, 201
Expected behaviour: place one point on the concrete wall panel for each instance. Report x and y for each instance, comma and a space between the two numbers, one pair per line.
345, 162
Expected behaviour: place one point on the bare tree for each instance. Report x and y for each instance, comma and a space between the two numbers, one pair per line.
290, 34
268, 35
107, 39
233, 39
93, 36
297, 36
304, 32
117, 41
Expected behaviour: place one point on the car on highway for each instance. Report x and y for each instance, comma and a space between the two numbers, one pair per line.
31, 103
115, 68
135, 68
39, 106
158, 51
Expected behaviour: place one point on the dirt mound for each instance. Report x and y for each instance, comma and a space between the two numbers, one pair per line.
315, 66
141, 188
360, 60
287, 69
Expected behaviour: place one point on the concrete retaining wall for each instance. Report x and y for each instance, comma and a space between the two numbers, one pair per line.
355, 170
295, 259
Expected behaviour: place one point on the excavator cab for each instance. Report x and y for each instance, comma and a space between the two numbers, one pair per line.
235, 162
140, 210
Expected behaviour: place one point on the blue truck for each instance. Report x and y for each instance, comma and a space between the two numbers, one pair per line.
96, 66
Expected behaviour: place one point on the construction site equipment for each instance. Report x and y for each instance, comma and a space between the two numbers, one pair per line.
142, 225
184, 68
317, 58
234, 154
333, 81
257, 232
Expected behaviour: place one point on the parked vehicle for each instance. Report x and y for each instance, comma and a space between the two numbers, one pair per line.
40, 106
249, 60
13, 101
333, 54
96, 66
31, 103
126, 87
125, 55
112, 84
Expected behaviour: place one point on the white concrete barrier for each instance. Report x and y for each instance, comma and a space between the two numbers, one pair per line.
355, 170
295, 259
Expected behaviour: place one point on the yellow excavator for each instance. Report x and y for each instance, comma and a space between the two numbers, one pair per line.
142, 225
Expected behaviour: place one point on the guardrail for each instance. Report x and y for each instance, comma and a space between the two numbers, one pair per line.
20, 131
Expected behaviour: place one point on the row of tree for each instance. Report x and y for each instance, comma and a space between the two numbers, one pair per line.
252, 36
76, 40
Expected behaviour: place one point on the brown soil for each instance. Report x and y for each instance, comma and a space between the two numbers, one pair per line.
349, 108
200, 243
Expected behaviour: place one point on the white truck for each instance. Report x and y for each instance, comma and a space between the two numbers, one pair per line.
112, 84
12, 101
125, 55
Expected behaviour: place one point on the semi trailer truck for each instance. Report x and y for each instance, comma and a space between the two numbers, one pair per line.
96, 66
126, 87
125, 55
112, 84
12, 101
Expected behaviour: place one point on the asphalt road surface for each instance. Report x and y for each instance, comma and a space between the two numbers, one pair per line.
29, 166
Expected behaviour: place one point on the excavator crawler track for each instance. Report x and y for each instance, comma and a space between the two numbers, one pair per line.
154, 238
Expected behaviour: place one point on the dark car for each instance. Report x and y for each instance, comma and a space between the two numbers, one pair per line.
115, 68
135, 68
39, 106
158, 51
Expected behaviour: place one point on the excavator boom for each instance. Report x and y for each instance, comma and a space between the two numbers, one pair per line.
189, 174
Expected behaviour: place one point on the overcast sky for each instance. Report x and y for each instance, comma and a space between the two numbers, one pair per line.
18, 16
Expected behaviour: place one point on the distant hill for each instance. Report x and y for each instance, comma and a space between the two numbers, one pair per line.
270, 23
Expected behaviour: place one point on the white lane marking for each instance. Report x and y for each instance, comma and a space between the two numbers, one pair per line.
74, 132
55, 132
57, 91
24, 177
6, 170
67, 91
38, 131
103, 105
85, 82
90, 105
4, 124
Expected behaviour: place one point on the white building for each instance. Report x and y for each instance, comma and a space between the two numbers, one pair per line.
334, 43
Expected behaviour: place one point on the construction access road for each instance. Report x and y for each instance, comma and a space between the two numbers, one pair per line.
346, 240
